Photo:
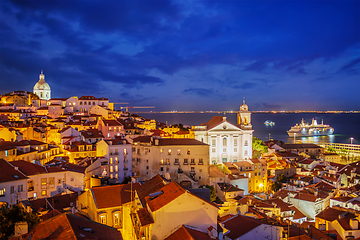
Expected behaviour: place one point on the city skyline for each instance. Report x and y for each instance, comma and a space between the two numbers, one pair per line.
187, 55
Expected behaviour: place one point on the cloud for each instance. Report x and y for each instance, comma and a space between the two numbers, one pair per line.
202, 92
351, 67
246, 85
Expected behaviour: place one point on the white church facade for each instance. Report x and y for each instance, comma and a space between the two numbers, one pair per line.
42, 88
227, 142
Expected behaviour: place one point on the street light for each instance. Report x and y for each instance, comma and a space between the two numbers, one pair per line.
351, 139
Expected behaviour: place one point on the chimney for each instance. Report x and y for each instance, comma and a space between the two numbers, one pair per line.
156, 142
354, 224
224, 119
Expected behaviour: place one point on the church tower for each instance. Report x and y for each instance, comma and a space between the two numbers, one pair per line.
42, 88
244, 117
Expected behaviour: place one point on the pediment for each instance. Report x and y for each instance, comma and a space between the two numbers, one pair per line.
225, 126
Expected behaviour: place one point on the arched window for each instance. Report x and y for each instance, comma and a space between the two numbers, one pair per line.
224, 141
245, 121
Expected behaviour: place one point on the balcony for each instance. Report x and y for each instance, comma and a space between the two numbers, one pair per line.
176, 163
116, 153
30, 189
201, 163
185, 163
192, 163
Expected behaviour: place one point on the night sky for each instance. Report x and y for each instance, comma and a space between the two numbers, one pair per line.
187, 55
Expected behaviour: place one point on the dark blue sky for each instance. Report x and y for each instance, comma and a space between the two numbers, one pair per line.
187, 55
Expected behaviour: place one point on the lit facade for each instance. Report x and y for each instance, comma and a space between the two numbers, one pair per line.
42, 88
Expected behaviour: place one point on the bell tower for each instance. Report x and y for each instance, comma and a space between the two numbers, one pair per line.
244, 117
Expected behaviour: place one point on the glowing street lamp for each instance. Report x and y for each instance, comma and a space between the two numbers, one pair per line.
351, 139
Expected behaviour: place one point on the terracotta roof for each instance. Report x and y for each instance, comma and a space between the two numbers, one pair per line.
9, 172
225, 187
68, 226
214, 172
331, 214
144, 217
298, 214
111, 123
112, 196
216, 120
342, 199
167, 194
169, 141
280, 204
188, 233
29, 168
151, 186
247, 224
306, 197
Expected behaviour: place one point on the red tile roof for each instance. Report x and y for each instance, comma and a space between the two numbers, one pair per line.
112, 196
168, 193
145, 217
247, 224
9, 172
68, 226
188, 233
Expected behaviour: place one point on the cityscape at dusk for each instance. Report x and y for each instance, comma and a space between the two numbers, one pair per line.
179, 120
187, 55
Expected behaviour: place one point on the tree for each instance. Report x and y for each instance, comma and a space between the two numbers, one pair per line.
258, 147
330, 150
212, 192
12, 215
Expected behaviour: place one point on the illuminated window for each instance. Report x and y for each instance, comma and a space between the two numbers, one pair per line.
224, 141
116, 168
213, 142
116, 159
116, 175
52, 182
103, 219
125, 151
43, 183
6, 153
169, 151
161, 150
167, 161
116, 219
43, 192
188, 151
162, 161
111, 169
111, 176
111, 160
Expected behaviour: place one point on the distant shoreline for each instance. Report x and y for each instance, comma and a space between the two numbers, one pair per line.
268, 112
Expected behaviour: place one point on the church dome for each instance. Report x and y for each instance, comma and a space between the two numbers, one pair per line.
41, 84
244, 107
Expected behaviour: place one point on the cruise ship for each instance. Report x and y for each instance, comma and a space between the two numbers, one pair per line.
307, 130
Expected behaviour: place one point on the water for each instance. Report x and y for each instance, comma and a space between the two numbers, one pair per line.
345, 126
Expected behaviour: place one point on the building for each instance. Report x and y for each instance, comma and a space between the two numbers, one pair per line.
228, 142
12, 183
42, 88
179, 159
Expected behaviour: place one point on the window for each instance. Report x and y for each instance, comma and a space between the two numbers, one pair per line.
169, 151
224, 150
188, 151
213, 141
117, 219
162, 162
224, 142
214, 150
161, 150
192, 161
246, 143
111, 159
116, 168
6, 153
20, 188
12, 189
235, 142
201, 161
2, 192
167, 161
176, 161
84, 103
111, 169
125, 151
138, 151
43, 183
103, 219
116, 175
59, 181
246, 152
52, 182
116, 159
133, 149
43, 192
235, 149
80, 103
162, 169
192, 169
178, 152
185, 161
